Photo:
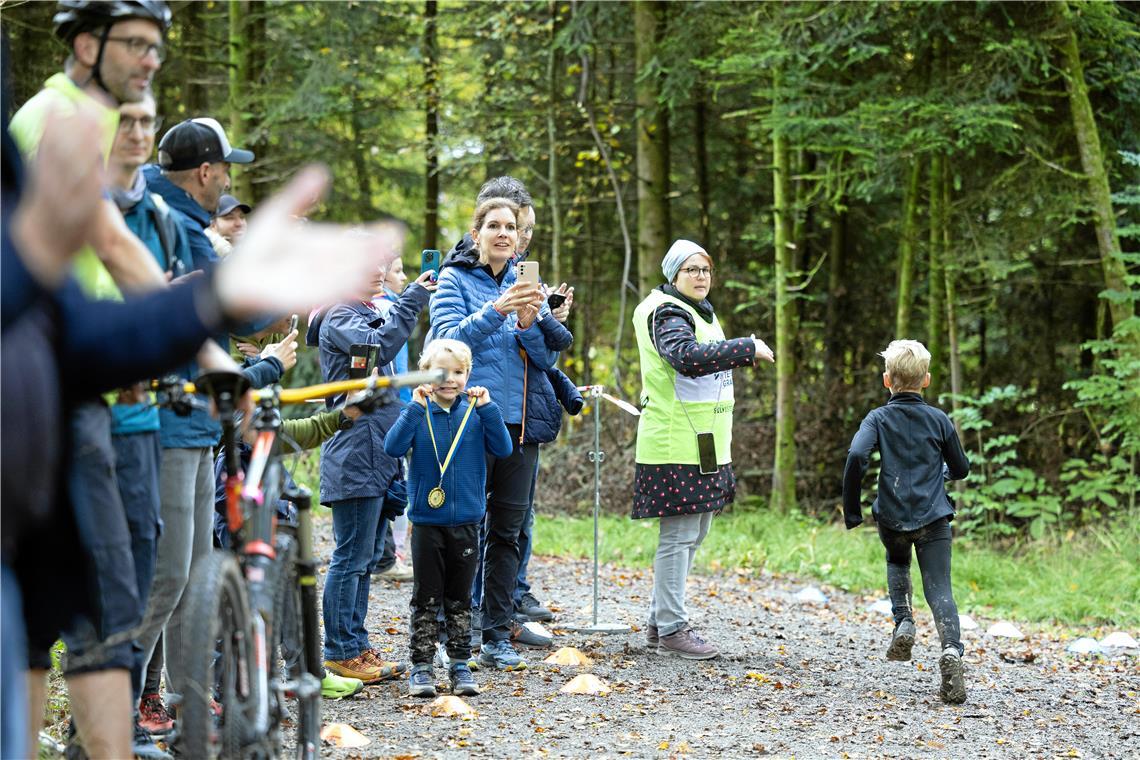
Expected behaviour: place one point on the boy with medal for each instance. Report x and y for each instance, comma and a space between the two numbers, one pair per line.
449, 429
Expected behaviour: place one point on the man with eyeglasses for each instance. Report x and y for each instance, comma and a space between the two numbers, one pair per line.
115, 49
134, 418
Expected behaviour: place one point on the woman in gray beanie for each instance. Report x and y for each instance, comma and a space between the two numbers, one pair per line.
684, 436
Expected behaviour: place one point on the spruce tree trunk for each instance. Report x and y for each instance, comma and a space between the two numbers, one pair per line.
950, 276
784, 467
907, 242
552, 61
936, 282
431, 131
240, 83
652, 149
836, 291
704, 191
1092, 162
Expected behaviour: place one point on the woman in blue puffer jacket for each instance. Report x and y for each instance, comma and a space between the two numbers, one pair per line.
504, 322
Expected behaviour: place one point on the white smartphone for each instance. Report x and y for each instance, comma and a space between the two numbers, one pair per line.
527, 272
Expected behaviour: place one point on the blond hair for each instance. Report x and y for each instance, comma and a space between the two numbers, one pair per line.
437, 348
907, 362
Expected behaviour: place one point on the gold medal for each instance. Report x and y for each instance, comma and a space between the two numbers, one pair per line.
436, 496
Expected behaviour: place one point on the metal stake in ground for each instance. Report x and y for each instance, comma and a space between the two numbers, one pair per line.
597, 456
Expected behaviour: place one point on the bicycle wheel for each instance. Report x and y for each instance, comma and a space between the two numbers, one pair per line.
221, 661
291, 650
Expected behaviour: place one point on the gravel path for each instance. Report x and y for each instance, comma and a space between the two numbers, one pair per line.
792, 679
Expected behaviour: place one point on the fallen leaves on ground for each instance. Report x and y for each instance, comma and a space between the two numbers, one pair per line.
343, 735
586, 683
450, 706
569, 656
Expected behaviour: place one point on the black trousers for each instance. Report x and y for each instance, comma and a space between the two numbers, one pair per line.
509, 483
444, 560
932, 545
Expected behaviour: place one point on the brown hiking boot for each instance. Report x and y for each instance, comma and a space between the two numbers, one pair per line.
388, 669
651, 637
357, 667
687, 645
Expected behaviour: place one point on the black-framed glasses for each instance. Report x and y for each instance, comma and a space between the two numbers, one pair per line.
695, 272
150, 124
140, 46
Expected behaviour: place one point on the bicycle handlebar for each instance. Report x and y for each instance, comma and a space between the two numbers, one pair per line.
321, 390
337, 387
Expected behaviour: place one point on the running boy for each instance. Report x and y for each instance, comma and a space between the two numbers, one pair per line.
447, 500
919, 448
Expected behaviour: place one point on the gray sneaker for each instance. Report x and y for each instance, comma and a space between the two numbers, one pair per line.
953, 677
901, 642
687, 645
651, 637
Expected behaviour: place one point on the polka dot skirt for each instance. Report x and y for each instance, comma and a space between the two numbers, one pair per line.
667, 490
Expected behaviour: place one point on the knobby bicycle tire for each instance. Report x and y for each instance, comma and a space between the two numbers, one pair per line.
292, 649
220, 657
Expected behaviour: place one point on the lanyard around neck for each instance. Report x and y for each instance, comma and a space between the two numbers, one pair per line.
454, 442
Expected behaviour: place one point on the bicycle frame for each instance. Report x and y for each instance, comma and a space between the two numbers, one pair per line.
251, 518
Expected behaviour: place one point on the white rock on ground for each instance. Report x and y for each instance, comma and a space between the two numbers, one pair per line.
966, 623
810, 595
1119, 640
1004, 630
1084, 645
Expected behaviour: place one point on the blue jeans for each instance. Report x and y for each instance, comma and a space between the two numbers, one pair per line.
94, 645
377, 564
137, 461
345, 602
13, 669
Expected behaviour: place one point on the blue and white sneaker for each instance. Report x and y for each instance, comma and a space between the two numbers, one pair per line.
421, 681
501, 655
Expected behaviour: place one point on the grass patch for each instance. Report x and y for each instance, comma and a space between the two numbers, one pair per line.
1092, 578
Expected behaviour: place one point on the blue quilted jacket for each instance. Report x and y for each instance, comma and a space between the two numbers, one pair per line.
462, 308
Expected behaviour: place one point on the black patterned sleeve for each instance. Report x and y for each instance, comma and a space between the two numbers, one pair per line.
675, 336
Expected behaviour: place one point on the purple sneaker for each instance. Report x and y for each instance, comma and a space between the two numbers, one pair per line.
687, 645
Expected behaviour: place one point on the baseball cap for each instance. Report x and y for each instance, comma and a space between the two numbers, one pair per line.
228, 203
195, 142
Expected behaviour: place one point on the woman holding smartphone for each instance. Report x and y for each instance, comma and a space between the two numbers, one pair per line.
684, 435
481, 303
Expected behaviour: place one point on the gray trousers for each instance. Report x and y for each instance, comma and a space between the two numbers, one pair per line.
677, 545
186, 483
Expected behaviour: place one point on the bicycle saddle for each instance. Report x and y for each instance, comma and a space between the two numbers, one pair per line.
222, 383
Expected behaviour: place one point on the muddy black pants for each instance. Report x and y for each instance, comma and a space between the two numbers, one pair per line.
932, 545
444, 560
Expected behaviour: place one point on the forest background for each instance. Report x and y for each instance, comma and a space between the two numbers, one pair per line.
965, 174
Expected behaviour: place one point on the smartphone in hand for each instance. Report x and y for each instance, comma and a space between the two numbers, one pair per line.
527, 272
429, 262
554, 300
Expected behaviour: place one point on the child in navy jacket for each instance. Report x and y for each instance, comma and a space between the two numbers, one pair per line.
919, 448
449, 441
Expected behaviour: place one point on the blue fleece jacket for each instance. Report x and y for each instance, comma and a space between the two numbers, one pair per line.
463, 308
465, 482
353, 462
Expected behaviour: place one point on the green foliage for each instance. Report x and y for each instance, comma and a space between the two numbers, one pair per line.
1002, 496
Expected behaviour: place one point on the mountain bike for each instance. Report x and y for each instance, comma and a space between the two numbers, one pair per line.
253, 632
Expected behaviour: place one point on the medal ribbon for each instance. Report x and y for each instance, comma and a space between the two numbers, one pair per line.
454, 442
